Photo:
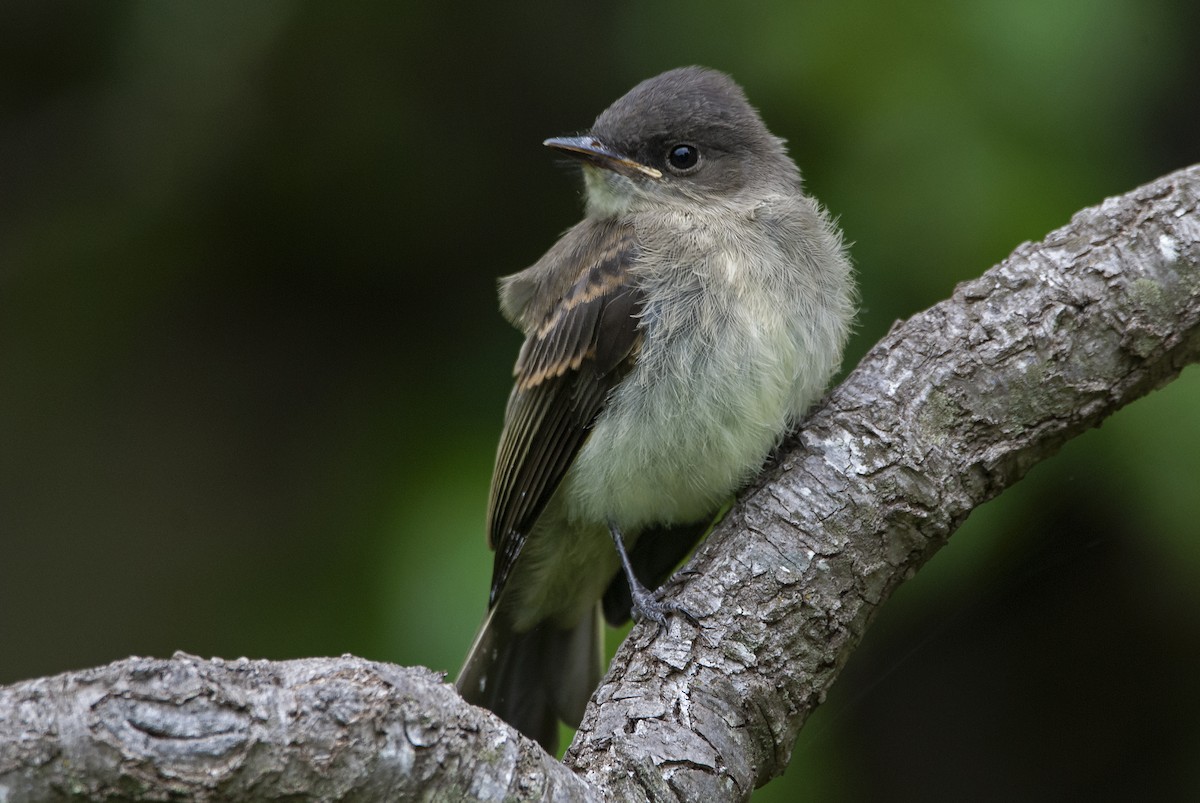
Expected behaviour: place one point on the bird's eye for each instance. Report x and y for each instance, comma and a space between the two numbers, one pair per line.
683, 158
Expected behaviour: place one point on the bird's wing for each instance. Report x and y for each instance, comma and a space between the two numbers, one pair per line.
578, 347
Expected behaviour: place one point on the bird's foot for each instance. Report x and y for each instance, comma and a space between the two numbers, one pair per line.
651, 605
646, 604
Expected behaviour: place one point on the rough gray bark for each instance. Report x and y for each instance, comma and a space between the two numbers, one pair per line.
310, 729
953, 406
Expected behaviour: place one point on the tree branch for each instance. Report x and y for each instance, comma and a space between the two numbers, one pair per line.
311, 729
953, 406
948, 410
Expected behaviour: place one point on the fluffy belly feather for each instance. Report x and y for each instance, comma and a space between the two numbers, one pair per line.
692, 422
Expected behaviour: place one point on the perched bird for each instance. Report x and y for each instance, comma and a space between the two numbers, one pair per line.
673, 336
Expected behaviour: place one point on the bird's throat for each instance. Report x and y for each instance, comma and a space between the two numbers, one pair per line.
608, 194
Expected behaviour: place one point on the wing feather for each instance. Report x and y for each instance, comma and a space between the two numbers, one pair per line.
577, 348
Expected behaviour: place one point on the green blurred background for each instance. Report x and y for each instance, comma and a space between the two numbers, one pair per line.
252, 372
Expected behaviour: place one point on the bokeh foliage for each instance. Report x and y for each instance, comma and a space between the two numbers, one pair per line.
252, 372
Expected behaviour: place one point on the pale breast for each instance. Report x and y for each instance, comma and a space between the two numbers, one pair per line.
746, 313
716, 385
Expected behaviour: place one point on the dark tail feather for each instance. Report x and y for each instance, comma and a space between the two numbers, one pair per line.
532, 680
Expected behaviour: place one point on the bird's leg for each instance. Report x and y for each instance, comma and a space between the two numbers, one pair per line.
647, 604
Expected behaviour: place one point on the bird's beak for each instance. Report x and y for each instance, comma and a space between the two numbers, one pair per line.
593, 151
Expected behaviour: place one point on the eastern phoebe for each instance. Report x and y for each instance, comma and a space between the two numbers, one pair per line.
673, 337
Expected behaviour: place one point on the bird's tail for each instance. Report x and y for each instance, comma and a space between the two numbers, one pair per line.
533, 679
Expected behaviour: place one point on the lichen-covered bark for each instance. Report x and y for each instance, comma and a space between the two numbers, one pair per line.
953, 406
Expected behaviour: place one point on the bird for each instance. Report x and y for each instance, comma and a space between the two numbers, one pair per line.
673, 337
